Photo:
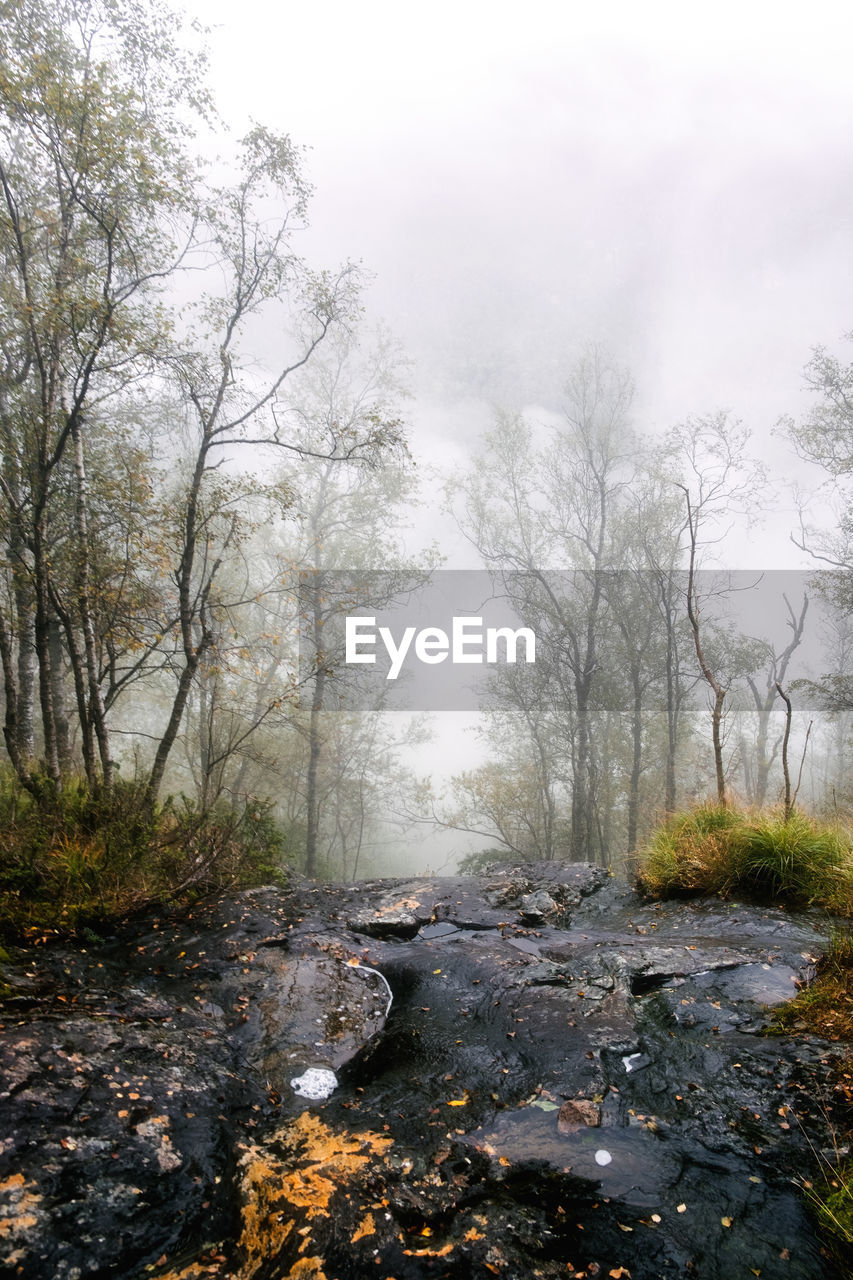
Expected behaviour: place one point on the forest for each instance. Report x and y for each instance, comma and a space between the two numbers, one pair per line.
205, 462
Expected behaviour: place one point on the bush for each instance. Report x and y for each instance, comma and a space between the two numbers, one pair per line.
689, 853
712, 849
80, 859
799, 861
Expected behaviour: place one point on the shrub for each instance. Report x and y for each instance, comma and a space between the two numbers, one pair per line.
798, 861
80, 858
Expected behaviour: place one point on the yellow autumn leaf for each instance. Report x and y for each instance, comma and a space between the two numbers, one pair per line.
456, 1102
727, 1222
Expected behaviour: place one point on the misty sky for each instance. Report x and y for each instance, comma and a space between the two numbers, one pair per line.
670, 182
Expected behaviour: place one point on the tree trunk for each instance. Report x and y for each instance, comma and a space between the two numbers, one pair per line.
164, 747
636, 760
315, 741
26, 681
60, 708
717, 689
42, 648
84, 606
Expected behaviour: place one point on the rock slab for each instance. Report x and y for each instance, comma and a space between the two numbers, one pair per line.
534, 1073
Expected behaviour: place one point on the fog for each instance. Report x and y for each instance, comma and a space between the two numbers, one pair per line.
677, 191
581, 261
675, 188
669, 185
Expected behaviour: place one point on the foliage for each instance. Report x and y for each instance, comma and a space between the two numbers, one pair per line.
832, 1201
82, 858
481, 862
714, 849
824, 1008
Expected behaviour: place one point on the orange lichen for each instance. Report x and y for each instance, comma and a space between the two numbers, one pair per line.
367, 1227
307, 1269
404, 904
430, 1253
317, 1162
195, 1271
22, 1201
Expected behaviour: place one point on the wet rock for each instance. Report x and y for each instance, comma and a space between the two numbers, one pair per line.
538, 905
568, 1078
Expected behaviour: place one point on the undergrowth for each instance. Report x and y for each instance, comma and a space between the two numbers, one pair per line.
824, 1008
797, 861
78, 860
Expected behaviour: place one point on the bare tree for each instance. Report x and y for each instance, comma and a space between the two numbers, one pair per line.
764, 700
719, 481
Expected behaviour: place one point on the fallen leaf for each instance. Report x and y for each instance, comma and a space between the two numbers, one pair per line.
727, 1222
681, 1208
576, 1113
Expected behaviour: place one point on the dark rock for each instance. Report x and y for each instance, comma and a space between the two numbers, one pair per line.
554, 1089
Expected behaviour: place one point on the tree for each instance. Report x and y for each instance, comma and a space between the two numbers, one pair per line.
92, 171
718, 481
543, 521
764, 701
102, 213
224, 407
350, 554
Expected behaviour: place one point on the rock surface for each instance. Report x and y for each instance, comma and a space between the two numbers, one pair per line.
568, 1081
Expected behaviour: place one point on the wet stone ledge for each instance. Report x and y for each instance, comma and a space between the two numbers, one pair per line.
528, 1074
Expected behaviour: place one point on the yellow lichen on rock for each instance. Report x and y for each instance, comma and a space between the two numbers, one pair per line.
277, 1190
307, 1269
195, 1271
18, 1208
367, 1227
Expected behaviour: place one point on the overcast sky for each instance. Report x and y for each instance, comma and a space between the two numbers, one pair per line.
670, 180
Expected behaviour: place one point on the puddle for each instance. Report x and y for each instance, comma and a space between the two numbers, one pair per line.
768, 984
630, 1163
440, 930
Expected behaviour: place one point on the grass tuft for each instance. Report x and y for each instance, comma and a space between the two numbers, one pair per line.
796, 861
